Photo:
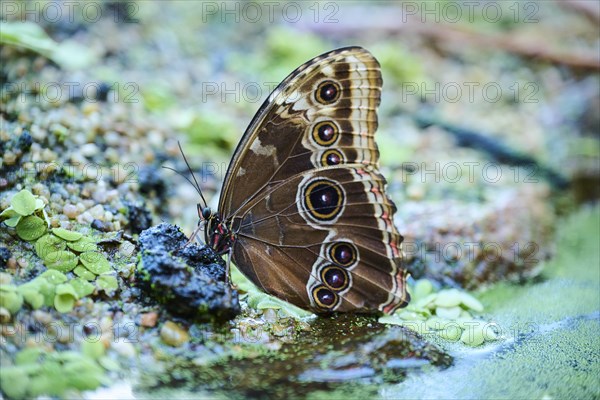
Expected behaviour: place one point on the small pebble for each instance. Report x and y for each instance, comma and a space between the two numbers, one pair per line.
23, 263
42, 317
89, 149
173, 335
9, 158
71, 211
127, 249
4, 315
97, 212
11, 263
50, 157
270, 315
148, 319
124, 348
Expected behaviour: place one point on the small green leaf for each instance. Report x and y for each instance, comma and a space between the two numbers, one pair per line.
9, 213
473, 337
14, 381
29, 35
63, 261
67, 356
39, 203
31, 228
43, 385
34, 298
83, 374
41, 286
23, 203
14, 221
12, 217
448, 312
92, 349
82, 245
108, 283
65, 302
268, 303
390, 319
82, 287
95, 262
11, 300
471, 302
8, 288
48, 244
54, 277
29, 355
66, 234
108, 363
66, 289
423, 287
83, 273
448, 298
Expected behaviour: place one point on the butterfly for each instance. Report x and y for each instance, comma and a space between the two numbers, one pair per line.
303, 211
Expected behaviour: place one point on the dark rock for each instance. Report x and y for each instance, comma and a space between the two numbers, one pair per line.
151, 181
188, 280
139, 216
99, 225
4, 256
25, 141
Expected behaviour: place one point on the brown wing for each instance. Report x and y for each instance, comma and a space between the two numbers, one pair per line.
344, 247
279, 141
311, 143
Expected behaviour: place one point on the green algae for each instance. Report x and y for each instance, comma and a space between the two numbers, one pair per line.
532, 368
551, 347
569, 283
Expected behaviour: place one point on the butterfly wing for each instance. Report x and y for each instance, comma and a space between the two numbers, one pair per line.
304, 196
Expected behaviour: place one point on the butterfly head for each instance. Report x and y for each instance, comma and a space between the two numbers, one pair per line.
216, 232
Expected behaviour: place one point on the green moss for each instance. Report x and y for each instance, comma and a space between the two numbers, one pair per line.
573, 354
552, 327
570, 280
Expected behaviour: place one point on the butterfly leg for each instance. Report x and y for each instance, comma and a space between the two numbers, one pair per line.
228, 267
194, 235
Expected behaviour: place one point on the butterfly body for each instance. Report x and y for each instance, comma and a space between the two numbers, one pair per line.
303, 211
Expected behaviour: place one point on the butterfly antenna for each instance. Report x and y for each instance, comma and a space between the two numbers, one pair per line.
195, 182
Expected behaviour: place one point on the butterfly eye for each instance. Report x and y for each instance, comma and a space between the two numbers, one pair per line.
323, 199
206, 213
324, 297
325, 133
335, 278
327, 92
343, 253
332, 157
